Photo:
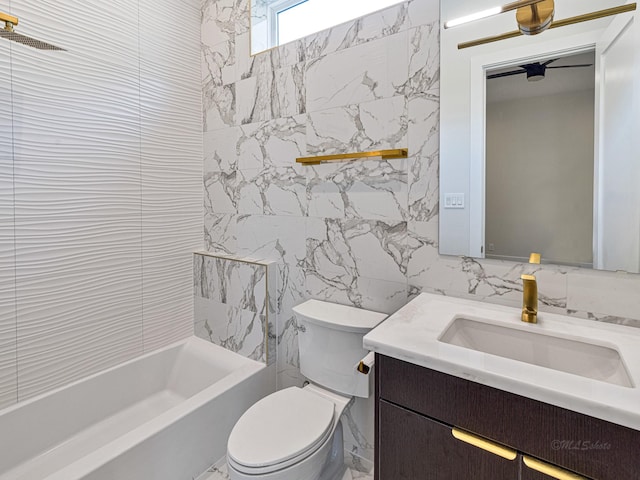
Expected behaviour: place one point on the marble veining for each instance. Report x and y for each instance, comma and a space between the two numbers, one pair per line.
371, 189
378, 124
233, 304
362, 233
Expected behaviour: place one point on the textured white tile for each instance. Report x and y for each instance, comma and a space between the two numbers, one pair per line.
113, 42
107, 179
77, 194
171, 170
167, 298
8, 374
82, 110
80, 298
604, 293
366, 72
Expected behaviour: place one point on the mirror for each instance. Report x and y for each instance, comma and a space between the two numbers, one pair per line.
551, 165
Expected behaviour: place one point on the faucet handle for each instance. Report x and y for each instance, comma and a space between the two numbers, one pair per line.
535, 258
529, 299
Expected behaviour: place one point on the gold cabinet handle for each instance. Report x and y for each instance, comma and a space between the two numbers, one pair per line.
548, 469
484, 444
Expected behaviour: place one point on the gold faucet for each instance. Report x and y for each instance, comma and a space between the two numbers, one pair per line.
530, 294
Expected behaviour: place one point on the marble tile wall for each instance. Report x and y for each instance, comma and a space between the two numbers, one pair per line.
361, 233
233, 304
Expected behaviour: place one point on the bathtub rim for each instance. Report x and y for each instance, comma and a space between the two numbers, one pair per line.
118, 446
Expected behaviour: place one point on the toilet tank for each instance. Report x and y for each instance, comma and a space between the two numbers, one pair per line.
330, 343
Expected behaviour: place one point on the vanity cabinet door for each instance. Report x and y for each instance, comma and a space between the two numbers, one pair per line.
414, 447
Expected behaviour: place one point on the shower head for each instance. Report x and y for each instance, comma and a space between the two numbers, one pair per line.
8, 33
32, 42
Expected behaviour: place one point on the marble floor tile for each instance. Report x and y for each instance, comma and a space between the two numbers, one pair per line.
219, 472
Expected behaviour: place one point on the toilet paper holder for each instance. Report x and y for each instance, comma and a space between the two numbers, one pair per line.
366, 364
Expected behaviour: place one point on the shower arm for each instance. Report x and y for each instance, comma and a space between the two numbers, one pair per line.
9, 21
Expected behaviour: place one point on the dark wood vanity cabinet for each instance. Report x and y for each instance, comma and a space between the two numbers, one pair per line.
422, 448
416, 409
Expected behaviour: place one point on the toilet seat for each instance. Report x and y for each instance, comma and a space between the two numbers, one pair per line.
280, 430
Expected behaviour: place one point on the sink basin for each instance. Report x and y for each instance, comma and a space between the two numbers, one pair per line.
571, 356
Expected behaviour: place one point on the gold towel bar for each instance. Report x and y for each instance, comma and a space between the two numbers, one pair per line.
385, 154
556, 24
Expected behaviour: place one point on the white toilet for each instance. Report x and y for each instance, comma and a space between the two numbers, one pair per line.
296, 433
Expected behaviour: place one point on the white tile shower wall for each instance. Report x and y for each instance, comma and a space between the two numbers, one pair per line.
360, 233
234, 304
100, 195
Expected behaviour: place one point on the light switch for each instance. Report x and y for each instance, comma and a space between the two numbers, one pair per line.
454, 200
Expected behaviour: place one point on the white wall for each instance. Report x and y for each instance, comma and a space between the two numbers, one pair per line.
619, 196
100, 180
539, 195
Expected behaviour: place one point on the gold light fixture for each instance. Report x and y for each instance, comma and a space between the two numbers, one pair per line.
533, 17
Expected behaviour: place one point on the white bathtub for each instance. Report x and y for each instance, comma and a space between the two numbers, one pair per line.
164, 416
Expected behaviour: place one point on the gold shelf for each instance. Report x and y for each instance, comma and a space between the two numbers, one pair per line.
384, 154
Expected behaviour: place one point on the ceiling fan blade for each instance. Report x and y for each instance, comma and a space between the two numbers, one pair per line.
574, 66
506, 74
548, 62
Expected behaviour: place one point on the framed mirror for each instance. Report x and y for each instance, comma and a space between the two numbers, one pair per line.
539, 138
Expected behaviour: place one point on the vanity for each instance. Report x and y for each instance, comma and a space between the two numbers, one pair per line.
465, 390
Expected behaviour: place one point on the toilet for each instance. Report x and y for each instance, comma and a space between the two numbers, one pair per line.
296, 433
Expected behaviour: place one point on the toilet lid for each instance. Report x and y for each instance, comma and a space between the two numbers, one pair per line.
280, 427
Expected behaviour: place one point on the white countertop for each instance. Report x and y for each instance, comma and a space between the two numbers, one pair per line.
411, 334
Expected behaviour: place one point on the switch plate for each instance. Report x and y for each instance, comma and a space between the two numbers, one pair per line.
454, 200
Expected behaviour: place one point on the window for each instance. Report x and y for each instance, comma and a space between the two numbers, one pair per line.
282, 21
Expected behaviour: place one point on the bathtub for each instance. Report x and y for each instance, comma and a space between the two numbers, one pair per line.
163, 416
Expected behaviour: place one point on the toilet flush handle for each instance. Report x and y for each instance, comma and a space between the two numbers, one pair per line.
364, 366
